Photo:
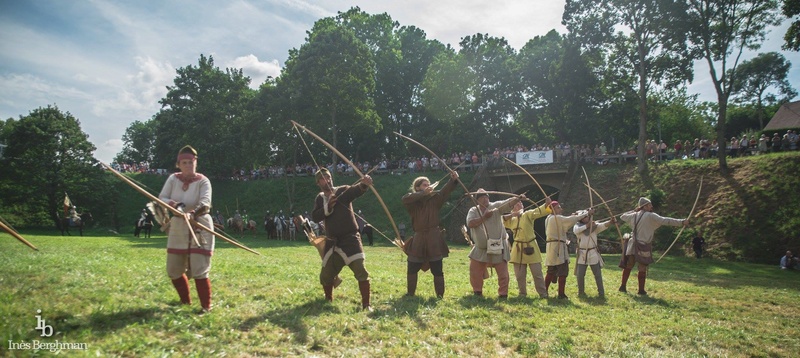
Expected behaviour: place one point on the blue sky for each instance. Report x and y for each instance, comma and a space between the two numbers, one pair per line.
109, 62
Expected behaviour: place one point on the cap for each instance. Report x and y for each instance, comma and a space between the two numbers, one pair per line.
321, 172
644, 201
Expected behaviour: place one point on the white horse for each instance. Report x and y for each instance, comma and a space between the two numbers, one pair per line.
279, 225
292, 230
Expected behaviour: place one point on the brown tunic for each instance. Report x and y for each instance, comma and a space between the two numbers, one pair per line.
341, 229
428, 243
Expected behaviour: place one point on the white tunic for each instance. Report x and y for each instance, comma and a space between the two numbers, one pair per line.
645, 223
494, 227
556, 227
588, 252
196, 195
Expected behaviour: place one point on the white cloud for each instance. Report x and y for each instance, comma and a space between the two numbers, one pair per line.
257, 71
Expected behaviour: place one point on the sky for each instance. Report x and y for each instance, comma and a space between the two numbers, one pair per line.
108, 63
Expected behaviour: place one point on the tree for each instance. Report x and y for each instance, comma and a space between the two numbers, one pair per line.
757, 75
204, 108
139, 143
47, 155
720, 31
447, 93
680, 115
331, 82
496, 92
652, 43
559, 92
791, 9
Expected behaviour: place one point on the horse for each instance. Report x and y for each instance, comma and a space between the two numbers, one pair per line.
237, 224
279, 227
269, 227
251, 225
65, 223
146, 225
295, 226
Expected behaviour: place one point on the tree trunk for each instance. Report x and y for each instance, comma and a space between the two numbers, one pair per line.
722, 154
333, 138
642, 167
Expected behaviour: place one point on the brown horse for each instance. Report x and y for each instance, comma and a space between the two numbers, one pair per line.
65, 223
237, 224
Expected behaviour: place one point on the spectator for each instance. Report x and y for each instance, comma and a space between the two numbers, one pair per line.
788, 262
744, 143
763, 143
714, 148
776, 143
678, 148
698, 245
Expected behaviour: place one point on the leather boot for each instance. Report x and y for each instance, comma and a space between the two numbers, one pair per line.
438, 286
562, 284
642, 278
581, 285
363, 286
328, 292
411, 282
548, 278
182, 286
626, 273
203, 286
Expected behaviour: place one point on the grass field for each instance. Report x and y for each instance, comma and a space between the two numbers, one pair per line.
112, 293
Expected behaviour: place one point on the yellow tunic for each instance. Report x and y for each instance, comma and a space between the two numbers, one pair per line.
524, 236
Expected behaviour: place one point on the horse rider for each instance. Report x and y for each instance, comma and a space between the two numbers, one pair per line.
142, 218
74, 218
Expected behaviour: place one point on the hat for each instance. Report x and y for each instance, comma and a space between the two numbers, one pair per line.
321, 172
554, 203
644, 201
480, 193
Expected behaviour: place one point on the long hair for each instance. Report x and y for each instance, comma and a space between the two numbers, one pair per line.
416, 183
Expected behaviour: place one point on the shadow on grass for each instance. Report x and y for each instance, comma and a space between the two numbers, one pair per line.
715, 273
594, 300
102, 323
293, 318
407, 306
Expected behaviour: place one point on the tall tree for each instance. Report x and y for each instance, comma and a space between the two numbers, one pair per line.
378, 33
204, 108
559, 92
720, 31
139, 142
497, 91
447, 93
650, 40
791, 9
330, 82
680, 115
757, 75
47, 155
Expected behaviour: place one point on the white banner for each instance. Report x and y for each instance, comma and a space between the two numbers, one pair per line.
535, 157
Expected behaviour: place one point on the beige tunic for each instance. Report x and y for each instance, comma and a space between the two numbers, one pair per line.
494, 227
556, 227
196, 195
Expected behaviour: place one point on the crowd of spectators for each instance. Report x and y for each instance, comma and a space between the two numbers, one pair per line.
600, 153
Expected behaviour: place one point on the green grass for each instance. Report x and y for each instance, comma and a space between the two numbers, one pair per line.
112, 293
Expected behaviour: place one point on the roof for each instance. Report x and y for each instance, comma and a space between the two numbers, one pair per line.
788, 116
